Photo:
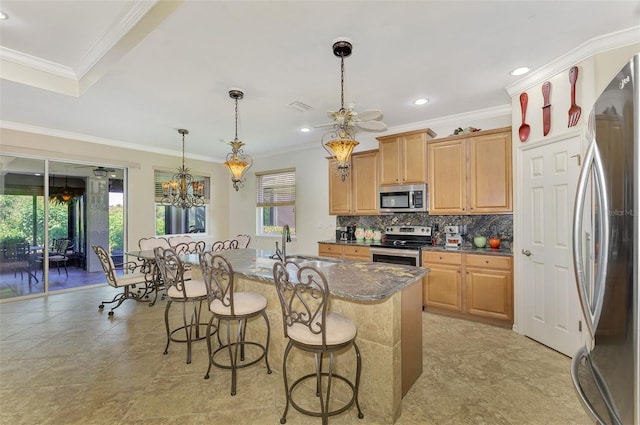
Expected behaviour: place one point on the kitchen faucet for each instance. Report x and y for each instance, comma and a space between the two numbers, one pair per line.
286, 237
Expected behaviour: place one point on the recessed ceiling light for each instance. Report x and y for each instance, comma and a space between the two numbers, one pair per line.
37, 174
3, 16
520, 71
305, 129
421, 101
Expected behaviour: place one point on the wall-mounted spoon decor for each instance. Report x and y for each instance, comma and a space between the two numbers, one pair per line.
524, 129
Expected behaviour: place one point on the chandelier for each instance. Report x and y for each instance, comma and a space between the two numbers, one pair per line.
62, 196
182, 190
340, 141
237, 161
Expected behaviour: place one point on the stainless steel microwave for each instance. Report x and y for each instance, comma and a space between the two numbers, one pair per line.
406, 198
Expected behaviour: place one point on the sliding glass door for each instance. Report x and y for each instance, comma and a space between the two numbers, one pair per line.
84, 207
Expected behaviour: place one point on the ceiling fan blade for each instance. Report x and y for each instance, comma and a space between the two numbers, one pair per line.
329, 124
371, 125
370, 115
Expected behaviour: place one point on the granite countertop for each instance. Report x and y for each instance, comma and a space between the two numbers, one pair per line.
471, 250
438, 248
356, 280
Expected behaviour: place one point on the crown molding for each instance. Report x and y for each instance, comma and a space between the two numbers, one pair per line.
39, 64
99, 140
133, 12
583, 52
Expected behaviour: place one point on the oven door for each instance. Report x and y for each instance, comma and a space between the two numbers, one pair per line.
407, 257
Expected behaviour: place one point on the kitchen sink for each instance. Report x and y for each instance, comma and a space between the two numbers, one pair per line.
317, 263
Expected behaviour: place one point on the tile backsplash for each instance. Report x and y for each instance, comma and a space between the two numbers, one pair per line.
500, 225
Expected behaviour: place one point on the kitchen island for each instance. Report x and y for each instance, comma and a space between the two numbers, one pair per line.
384, 301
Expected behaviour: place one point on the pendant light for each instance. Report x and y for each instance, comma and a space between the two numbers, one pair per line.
340, 141
237, 161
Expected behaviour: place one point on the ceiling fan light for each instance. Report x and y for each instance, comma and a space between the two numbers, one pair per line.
100, 172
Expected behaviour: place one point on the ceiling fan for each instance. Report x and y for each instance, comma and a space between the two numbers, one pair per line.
102, 171
368, 120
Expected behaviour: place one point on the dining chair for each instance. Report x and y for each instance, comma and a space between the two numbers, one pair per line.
186, 292
310, 326
59, 255
224, 245
127, 281
228, 305
148, 244
243, 240
176, 240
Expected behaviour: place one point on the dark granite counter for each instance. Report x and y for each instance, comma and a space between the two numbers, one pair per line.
356, 280
438, 248
471, 250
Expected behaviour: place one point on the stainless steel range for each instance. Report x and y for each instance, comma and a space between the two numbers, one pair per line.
401, 245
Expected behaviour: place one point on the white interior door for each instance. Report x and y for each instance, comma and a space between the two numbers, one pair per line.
551, 305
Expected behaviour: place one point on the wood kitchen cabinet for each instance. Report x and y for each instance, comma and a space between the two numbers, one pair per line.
489, 287
344, 251
358, 194
471, 286
443, 284
471, 174
403, 157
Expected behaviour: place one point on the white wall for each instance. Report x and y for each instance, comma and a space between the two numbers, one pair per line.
313, 221
140, 199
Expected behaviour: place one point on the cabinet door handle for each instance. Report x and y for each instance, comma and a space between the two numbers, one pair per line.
526, 252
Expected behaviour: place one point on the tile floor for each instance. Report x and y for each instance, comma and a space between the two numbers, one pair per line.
64, 362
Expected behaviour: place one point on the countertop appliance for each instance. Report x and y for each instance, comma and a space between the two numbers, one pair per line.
453, 236
401, 245
404, 198
606, 371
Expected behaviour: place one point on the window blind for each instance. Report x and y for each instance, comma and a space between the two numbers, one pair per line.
276, 188
164, 176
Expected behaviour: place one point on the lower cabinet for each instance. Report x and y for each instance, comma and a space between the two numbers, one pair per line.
472, 286
443, 285
347, 252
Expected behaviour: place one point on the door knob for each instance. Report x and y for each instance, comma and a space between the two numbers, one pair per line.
526, 252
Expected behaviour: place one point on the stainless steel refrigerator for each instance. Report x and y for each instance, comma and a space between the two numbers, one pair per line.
606, 370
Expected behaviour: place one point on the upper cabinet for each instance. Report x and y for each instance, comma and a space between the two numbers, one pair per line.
471, 174
403, 157
358, 194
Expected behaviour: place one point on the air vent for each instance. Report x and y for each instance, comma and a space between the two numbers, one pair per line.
299, 106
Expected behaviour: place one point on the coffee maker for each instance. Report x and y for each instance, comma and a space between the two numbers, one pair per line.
351, 232
454, 236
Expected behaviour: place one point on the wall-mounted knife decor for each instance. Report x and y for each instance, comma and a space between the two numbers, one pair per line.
546, 108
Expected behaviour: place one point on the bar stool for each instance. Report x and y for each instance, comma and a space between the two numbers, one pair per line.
304, 298
184, 292
227, 305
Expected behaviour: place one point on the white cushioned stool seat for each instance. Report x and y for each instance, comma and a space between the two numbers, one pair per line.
340, 329
243, 303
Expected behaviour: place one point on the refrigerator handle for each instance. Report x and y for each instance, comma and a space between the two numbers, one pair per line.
602, 256
591, 308
575, 363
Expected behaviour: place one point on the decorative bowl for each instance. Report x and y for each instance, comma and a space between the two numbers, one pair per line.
480, 241
494, 243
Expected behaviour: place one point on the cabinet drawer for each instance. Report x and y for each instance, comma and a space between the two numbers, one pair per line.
356, 252
488, 261
329, 250
441, 258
